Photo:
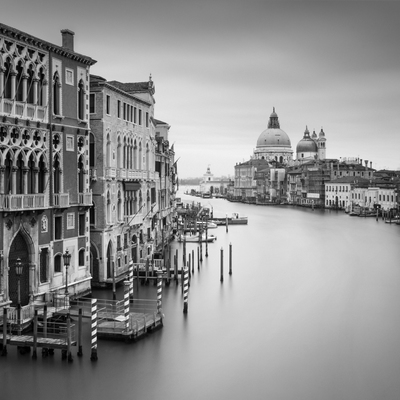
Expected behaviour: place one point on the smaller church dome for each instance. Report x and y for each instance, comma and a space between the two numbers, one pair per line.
306, 146
322, 133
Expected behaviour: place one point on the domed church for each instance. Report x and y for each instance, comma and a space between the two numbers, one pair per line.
311, 147
273, 144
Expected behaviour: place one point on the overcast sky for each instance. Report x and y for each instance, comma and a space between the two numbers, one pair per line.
220, 66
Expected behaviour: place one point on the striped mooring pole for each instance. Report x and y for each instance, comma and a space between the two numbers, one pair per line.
131, 280
159, 292
127, 288
93, 355
222, 265
186, 291
230, 258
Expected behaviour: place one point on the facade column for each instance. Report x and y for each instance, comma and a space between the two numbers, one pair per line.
24, 88
14, 170
35, 188
1, 82
25, 177
13, 88
35, 92
2, 170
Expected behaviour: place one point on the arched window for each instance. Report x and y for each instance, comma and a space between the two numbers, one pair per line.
140, 160
57, 174
57, 263
92, 214
119, 206
42, 175
120, 151
7, 79
81, 257
134, 155
108, 208
81, 100
108, 151
81, 175
56, 94
30, 91
19, 84
92, 150
41, 89
147, 157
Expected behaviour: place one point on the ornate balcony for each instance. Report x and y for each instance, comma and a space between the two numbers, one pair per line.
21, 202
61, 200
22, 110
111, 173
85, 198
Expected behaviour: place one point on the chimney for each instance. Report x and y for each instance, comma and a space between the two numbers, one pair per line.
370, 164
366, 164
68, 39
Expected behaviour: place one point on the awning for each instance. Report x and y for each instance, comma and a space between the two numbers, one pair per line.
131, 185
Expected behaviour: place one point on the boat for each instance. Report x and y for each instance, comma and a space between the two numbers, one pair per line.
196, 238
234, 219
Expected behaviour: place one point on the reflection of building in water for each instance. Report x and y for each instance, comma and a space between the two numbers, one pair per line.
211, 185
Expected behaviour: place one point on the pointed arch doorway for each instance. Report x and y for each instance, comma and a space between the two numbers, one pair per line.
19, 249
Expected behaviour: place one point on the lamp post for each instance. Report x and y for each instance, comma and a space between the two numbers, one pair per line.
67, 259
18, 273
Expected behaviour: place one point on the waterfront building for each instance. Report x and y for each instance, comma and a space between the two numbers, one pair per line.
210, 185
123, 177
44, 184
339, 193
166, 187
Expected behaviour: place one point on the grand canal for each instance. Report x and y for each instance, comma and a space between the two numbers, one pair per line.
310, 312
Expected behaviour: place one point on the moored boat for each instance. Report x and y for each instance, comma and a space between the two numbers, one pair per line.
196, 238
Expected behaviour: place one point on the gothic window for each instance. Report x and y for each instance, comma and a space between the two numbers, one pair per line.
30, 92
56, 94
41, 93
81, 175
147, 157
120, 152
81, 100
92, 214
119, 206
57, 174
91, 150
108, 151
19, 84
108, 208
7, 79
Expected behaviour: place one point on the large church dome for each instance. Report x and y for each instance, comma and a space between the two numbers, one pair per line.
273, 135
274, 143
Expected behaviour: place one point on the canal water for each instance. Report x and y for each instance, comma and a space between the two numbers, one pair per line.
310, 312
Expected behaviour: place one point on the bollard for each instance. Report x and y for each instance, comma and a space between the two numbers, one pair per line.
222, 264
4, 349
93, 355
35, 333
186, 292
230, 258
80, 353
126, 305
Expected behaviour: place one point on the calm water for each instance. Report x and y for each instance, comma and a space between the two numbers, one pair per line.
311, 311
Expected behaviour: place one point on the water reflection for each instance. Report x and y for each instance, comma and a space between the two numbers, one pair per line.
311, 311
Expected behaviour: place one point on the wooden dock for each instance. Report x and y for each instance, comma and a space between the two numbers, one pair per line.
28, 341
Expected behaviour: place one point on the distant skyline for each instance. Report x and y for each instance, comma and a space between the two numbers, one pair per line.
220, 66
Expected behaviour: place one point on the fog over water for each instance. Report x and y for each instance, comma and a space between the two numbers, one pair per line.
310, 312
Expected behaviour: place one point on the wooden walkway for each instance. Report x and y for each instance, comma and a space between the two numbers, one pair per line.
139, 325
27, 341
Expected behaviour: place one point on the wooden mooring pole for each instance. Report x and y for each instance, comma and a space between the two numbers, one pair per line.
80, 353
45, 350
230, 258
222, 265
35, 333
4, 349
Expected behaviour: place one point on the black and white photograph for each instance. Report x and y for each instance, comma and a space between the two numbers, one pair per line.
200, 200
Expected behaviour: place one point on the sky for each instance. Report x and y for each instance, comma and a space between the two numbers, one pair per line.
220, 66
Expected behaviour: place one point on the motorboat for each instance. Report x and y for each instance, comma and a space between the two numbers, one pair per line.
195, 238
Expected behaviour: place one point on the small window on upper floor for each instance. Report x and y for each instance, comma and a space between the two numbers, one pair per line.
118, 108
107, 104
92, 103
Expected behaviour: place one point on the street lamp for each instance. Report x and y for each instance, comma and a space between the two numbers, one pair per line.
18, 272
67, 259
